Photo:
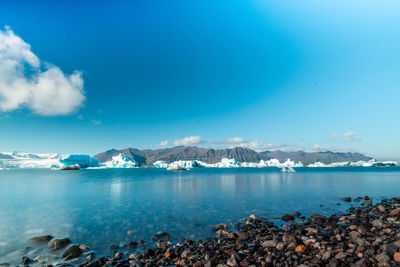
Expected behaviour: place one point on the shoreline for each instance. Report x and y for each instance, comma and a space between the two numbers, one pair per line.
368, 234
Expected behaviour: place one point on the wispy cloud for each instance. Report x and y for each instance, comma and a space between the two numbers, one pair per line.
348, 137
189, 141
231, 142
163, 143
333, 136
26, 82
95, 122
234, 140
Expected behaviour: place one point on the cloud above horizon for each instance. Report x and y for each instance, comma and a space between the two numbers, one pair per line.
163, 143
229, 143
189, 141
25, 82
348, 136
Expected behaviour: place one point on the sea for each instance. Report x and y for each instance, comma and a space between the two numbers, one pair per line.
105, 207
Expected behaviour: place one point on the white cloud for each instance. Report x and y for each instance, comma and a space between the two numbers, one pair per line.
333, 136
163, 143
189, 141
350, 137
234, 140
26, 82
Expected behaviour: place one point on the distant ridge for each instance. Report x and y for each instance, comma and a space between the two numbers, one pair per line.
147, 157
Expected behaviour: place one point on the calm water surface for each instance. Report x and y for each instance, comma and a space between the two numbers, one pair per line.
103, 207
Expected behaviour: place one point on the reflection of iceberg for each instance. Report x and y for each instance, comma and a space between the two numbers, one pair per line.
121, 161
288, 169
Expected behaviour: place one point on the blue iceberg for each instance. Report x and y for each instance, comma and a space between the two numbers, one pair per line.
84, 161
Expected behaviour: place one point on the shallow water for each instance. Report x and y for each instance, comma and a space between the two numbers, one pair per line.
109, 206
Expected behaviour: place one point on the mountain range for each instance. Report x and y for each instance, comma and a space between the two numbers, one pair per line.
147, 157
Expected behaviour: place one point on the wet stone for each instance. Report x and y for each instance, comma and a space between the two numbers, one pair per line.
72, 252
59, 243
41, 239
288, 217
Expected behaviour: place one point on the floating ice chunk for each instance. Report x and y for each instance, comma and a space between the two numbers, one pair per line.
228, 163
121, 161
185, 164
160, 164
84, 161
317, 164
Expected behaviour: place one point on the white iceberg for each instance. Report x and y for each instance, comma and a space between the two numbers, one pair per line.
228, 163
160, 164
121, 161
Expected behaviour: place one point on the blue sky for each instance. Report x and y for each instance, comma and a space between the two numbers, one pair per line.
314, 75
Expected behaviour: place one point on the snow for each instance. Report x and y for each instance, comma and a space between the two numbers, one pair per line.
121, 161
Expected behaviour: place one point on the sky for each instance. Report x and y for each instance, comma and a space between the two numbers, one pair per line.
88, 76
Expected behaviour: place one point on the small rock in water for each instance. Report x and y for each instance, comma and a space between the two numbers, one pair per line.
83, 247
132, 245
288, 217
161, 236
5, 264
26, 260
59, 243
72, 252
41, 239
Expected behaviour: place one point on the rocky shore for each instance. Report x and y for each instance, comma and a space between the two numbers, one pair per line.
367, 235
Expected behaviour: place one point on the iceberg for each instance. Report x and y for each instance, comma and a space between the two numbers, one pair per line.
160, 164
228, 163
84, 161
121, 161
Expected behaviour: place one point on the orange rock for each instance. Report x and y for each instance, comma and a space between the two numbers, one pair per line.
83, 247
396, 257
180, 262
395, 212
352, 227
229, 252
170, 253
221, 226
300, 248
